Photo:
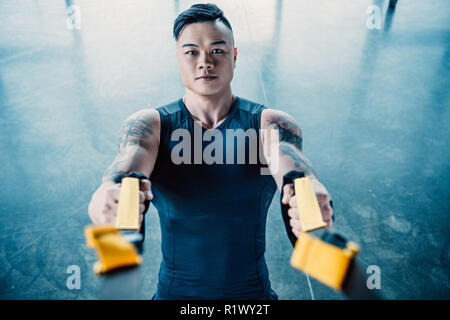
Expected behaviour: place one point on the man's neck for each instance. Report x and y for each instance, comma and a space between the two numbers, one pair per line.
211, 111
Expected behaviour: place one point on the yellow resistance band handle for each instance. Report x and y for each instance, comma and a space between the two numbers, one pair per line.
128, 209
308, 207
319, 253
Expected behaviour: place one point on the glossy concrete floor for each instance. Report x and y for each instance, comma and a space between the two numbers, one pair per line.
373, 105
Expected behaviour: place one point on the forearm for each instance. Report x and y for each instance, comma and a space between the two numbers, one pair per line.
289, 158
133, 158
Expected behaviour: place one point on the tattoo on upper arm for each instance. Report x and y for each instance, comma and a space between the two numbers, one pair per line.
288, 130
135, 129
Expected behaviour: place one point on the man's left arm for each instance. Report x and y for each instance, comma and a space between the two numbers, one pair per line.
282, 145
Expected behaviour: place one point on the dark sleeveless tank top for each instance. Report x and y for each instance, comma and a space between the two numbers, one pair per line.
212, 215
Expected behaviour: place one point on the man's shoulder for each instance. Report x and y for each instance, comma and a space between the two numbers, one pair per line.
271, 116
249, 106
267, 114
150, 115
264, 110
171, 108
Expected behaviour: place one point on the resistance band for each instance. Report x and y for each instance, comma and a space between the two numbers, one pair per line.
327, 257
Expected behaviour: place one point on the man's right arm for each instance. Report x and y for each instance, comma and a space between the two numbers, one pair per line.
138, 149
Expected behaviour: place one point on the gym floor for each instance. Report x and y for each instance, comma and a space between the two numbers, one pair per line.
368, 85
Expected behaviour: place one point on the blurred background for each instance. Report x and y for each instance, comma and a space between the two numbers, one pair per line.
367, 83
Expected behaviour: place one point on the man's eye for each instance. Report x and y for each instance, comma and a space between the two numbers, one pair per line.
194, 53
219, 50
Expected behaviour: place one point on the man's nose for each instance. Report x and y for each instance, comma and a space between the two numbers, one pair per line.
206, 62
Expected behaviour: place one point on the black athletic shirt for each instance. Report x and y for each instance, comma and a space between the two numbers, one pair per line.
212, 216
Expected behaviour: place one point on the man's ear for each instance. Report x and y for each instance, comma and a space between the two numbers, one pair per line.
235, 55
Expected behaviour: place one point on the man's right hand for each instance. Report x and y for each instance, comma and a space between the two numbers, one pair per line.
111, 202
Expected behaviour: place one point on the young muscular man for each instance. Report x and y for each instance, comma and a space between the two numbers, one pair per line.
212, 215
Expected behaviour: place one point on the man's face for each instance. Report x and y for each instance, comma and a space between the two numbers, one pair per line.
206, 48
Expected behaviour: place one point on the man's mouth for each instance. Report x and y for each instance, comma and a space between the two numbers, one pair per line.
206, 78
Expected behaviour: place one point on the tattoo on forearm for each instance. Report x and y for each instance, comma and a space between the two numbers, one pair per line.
288, 130
112, 173
300, 161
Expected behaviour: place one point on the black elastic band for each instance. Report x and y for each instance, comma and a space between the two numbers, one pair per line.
289, 178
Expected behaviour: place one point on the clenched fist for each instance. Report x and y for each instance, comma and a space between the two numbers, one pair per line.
322, 197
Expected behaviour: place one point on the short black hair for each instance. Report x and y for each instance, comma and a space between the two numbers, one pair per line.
199, 13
